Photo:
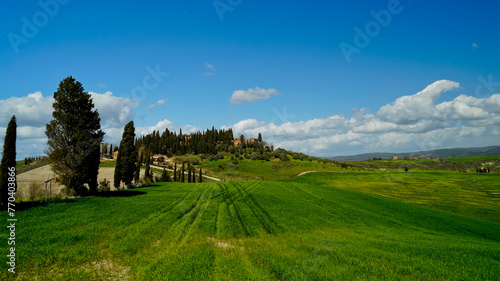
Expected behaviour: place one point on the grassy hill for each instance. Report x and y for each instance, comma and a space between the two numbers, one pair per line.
438, 153
250, 231
473, 195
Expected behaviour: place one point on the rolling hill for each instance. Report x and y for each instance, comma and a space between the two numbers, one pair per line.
438, 153
250, 230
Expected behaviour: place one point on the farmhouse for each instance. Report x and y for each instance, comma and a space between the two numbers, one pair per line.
236, 142
115, 154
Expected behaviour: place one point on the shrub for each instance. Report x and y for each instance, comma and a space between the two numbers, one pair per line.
284, 157
165, 177
103, 186
36, 191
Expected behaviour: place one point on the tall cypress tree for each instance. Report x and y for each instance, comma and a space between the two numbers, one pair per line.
137, 174
117, 178
182, 175
8, 160
201, 177
175, 172
127, 155
74, 138
148, 162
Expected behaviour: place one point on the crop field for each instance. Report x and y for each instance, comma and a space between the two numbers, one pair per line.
249, 231
468, 194
265, 170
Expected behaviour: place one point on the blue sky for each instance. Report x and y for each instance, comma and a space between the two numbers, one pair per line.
261, 66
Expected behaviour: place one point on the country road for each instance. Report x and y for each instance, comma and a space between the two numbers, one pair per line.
42, 174
205, 176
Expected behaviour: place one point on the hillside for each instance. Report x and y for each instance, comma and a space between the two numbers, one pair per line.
438, 153
250, 231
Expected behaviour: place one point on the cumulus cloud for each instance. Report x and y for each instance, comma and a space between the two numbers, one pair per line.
252, 95
407, 109
114, 111
410, 123
164, 124
31, 110
34, 111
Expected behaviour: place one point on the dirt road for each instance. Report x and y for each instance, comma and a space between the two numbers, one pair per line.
42, 174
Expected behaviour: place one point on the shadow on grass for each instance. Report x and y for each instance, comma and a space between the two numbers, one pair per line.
120, 193
148, 185
22, 206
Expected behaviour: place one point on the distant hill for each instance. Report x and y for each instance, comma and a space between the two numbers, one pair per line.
438, 153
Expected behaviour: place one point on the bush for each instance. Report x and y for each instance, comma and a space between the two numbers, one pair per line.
36, 191
255, 155
165, 177
284, 157
103, 186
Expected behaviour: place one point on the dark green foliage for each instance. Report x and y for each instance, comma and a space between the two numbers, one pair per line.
74, 138
117, 175
8, 159
147, 174
137, 174
165, 177
127, 156
209, 142
175, 172
200, 179
182, 174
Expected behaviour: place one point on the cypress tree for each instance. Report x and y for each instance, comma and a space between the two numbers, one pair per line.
182, 173
189, 175
200, 179
148, 163
137, 174
117, 178
175, 172
8, 160
74, 138
128, 154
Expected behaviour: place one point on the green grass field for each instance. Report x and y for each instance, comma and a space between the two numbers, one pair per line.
471, 194
107, 164
264, 170
250, 231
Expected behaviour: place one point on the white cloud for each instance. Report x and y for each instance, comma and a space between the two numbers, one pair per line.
31, 110
34, 111
160, 126
410, 123
407, 109
114, 111
159, 102
252, 95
